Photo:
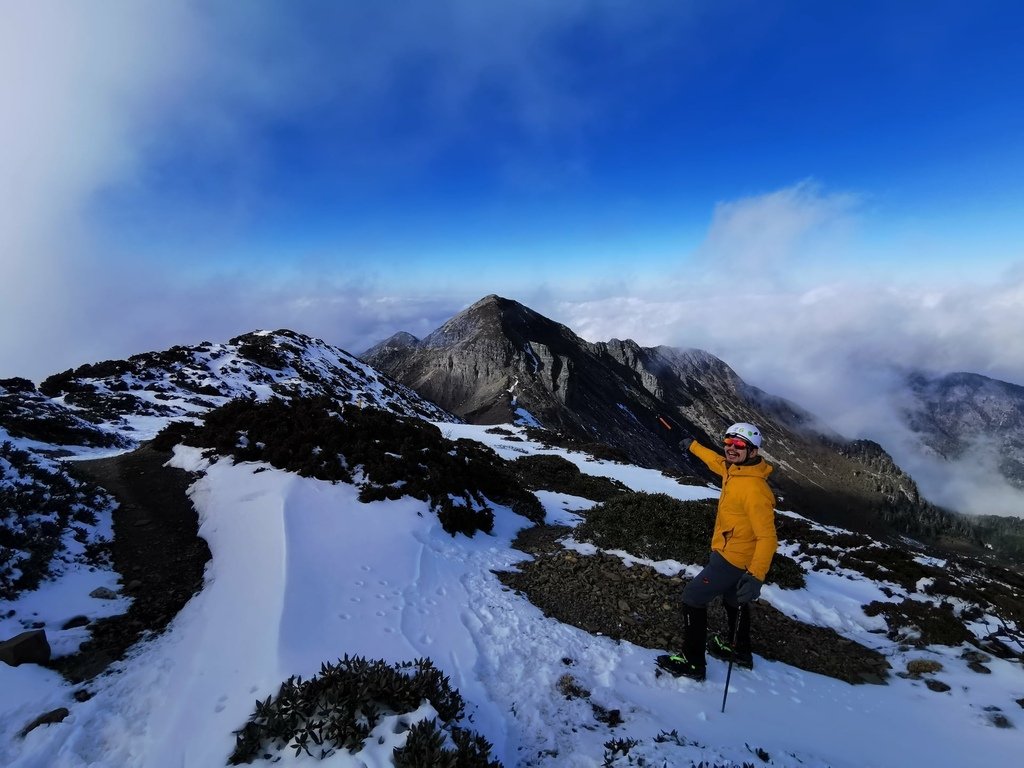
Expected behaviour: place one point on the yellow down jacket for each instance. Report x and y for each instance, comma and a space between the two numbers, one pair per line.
745, 524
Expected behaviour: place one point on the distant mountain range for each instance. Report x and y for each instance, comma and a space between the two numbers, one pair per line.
955, 413
499, 361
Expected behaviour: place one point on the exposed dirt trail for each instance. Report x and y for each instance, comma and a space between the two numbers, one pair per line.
156, 549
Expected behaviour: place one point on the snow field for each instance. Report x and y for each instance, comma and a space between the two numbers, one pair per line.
303, 573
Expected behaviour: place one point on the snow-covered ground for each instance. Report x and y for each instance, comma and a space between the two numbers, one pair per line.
304, 573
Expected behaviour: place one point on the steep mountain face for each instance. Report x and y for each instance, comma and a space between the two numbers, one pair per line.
117, 402
499, 361
955, 413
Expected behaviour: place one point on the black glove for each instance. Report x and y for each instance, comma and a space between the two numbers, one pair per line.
748, 588
672, 433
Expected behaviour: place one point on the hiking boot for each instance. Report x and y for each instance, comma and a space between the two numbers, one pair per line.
678, 666
721, 649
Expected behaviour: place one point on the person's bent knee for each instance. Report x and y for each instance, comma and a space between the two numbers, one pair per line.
695, 597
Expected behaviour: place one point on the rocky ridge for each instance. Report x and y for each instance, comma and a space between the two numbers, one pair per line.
131, 399
499, 361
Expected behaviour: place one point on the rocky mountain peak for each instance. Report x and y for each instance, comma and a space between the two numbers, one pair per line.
499, 361
494, 319
402, 339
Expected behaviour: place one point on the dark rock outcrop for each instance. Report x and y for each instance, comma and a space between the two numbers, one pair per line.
29, 647
50, 718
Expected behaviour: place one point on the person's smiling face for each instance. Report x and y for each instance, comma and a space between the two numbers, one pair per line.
737, 450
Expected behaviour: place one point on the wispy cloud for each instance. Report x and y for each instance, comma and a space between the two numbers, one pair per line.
75, 81
171, 113
838, 347
841, 351
768, 237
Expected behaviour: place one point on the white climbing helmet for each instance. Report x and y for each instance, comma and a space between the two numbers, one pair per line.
748, 432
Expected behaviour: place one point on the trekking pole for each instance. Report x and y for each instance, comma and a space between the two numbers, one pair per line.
732, 657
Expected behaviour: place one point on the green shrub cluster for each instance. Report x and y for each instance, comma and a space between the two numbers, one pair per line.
17, 385
600, 451
338, 708
60, 383
389, 456
888, 564
1004, 534
800, 531
262, 350
659, 527
786, 573
25, 412
70, 381
615, 747
652, 525
556, 473
426, 746
921, 623
38, 508
925, 521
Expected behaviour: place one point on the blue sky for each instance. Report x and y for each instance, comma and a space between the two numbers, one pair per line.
579, 135
848, 173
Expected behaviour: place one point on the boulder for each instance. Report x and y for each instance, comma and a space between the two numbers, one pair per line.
923, 666
27, 648
54, 716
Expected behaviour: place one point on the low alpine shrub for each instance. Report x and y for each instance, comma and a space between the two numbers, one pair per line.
388, 456
339, 708
660, 527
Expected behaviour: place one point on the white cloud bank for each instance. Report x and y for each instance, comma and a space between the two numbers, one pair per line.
836, 347
766, 238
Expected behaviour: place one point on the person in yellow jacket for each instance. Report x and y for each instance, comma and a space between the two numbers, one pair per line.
742, 546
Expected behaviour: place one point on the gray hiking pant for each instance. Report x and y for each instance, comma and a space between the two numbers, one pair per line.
719, 577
